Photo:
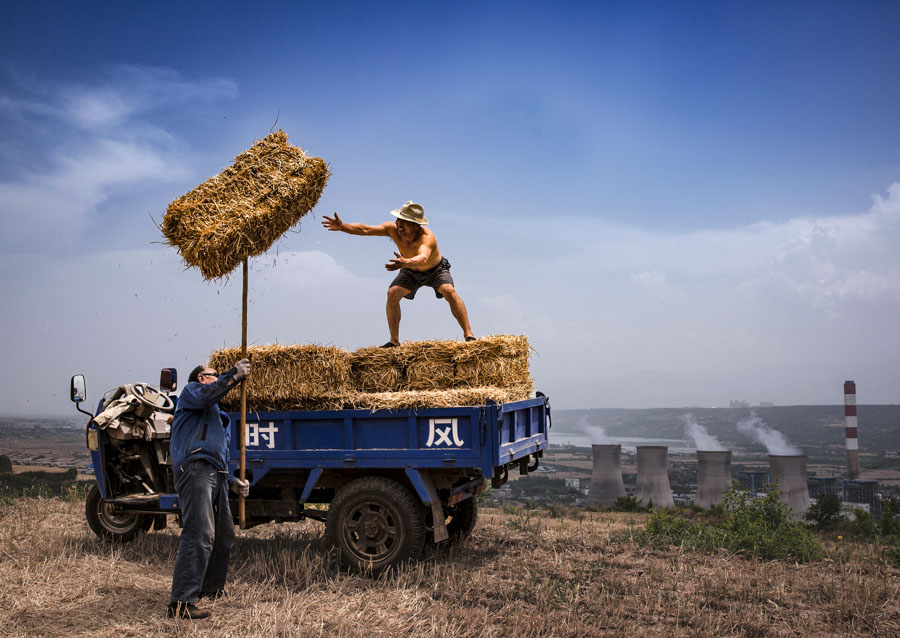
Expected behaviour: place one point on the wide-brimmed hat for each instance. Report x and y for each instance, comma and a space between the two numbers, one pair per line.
411, 212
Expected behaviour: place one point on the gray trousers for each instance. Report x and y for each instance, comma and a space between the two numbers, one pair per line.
201, 564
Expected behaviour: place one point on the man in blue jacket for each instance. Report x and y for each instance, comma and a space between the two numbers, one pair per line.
201, 434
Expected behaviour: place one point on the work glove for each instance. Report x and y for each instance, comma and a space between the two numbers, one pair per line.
243, 369
241, 488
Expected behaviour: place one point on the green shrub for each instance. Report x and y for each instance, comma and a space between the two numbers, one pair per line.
5, 464
486, 496
664, 529
627, 503
523, 520
825, 514
765, 528
759, 527
862, 524
892, 553
889, 525
42, 484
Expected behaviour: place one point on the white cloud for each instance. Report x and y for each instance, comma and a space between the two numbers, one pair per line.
653, 280
82, 144
779, 309
133, 91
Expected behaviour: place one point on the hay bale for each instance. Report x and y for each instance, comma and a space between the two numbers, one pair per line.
429, 364
378, 369
293, 377
418, 374
232, 403
420, 399
495, 360
243, 210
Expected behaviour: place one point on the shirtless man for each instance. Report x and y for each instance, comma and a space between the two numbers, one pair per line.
419, 262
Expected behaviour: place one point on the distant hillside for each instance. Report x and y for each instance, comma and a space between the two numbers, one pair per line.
803, 425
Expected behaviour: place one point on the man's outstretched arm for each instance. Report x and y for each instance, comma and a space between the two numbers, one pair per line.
336, 223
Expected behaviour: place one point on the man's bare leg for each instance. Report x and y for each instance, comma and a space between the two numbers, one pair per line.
457, 307
394, 295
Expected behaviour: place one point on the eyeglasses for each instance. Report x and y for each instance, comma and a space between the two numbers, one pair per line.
207, 374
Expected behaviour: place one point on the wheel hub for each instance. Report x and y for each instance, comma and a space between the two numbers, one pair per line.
114, 518
372, 527
371, 531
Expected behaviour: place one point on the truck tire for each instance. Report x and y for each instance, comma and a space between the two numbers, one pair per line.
461, 519
109, 524
376, 523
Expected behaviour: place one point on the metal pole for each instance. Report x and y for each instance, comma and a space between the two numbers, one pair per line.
242, 515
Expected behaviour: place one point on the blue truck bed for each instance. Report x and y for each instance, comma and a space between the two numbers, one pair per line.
474, 438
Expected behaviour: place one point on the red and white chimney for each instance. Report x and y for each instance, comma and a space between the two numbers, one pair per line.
850, 429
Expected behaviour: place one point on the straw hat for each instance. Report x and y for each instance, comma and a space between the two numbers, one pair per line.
411, 212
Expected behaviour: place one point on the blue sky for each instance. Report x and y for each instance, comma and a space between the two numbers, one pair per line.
680, 203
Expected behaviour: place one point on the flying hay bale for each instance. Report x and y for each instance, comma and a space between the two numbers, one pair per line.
243, 210
292, 377
495, 360
420, 399
378, 369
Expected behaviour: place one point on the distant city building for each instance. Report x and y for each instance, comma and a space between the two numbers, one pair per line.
573, 482
766, 404
737, 405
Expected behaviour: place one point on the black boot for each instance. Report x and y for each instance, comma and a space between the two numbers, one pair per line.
188, 611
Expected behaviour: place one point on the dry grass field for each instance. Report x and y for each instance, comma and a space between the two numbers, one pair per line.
520, 574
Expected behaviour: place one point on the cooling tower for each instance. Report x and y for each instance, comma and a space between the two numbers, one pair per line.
653, 476
713, 477
606, 478
790, 474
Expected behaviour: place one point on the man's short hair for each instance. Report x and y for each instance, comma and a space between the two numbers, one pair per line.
195, 373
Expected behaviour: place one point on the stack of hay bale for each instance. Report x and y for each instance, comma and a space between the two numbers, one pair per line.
417, 374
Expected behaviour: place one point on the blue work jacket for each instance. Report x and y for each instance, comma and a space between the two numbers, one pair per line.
200, 429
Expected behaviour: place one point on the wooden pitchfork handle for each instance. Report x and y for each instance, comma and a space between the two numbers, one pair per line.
242, 510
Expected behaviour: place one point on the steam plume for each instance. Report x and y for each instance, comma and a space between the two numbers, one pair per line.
596, 432
773, 440
702, 438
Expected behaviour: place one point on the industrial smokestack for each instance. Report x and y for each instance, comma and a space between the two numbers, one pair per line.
713, 477
850, 429
790, 474
653, 476
606, 478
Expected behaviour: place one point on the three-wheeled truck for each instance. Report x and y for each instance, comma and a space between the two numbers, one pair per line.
392, 479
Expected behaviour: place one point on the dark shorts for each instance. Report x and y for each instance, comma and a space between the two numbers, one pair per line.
412, 280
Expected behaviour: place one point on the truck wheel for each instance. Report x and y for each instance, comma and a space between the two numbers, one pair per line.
375, 523
462, 519
108, 523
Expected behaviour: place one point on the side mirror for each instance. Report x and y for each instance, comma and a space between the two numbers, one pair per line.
78, 391
168, 379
